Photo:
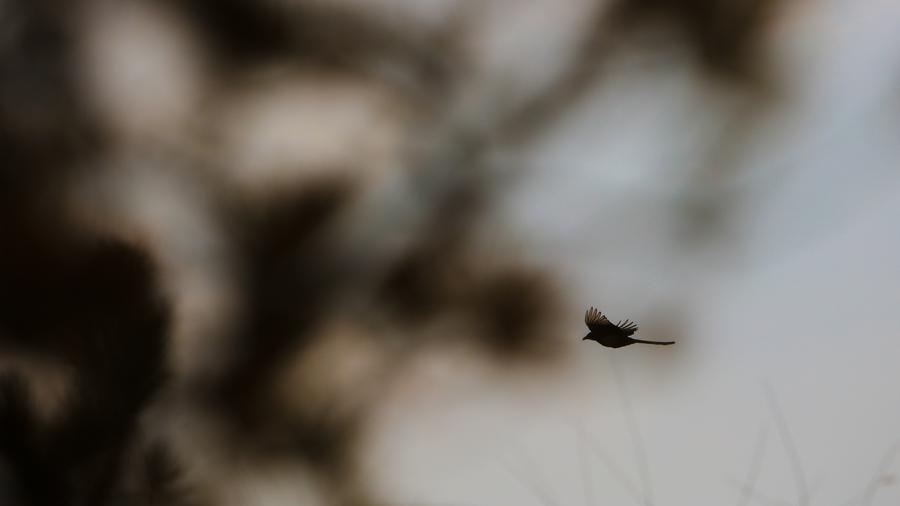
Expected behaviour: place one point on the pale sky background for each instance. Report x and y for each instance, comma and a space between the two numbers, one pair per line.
802, 296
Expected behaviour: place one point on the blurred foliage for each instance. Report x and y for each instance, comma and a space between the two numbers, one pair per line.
96, 297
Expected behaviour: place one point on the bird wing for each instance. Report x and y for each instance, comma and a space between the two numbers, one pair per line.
596, 321
627, 327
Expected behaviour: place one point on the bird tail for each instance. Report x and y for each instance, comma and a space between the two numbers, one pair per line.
654, 342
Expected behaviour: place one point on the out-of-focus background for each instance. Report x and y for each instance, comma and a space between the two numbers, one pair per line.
338, 252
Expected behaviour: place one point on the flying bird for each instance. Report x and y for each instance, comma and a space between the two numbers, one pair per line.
612, 336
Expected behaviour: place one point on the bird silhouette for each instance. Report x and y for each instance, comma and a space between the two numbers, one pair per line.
612, 336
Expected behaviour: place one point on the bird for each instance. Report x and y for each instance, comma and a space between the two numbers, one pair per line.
612, 336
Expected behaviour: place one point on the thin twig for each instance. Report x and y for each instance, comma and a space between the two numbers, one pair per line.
816, 486
619, 475
634, 432
758, 496
876, 481
586, 480
788, 441
534, 484
755, 467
